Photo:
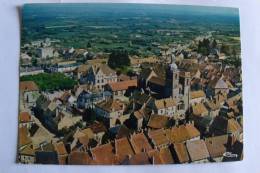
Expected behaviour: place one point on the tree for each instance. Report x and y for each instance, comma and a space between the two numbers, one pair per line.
88, 45
225, 49
214, 44
34, 62
50, 82
118, 58
204, 47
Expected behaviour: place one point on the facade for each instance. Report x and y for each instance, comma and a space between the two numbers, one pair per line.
31, 71
166, 107
29, 92
45, 52
112, 111
99, 76
64, 67
120, 88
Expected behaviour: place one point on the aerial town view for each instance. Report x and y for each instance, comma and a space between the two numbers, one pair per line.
129, 84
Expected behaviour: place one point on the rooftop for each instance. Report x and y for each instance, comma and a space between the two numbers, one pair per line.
140, 143
165, 103
122, 85
28, 86
197, 150
123, 148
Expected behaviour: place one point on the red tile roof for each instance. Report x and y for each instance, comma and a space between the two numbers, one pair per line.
182, 133
60, 148
140, 143
216, 145
123, 148
197, 150
139, 159
24, 138
157, 121
122, 85
104, 154
24, 117
28, 86
158, 137
233, 126
79, 158
181, 152
111, 105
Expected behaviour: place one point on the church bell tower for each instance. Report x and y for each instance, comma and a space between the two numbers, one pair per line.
175, 77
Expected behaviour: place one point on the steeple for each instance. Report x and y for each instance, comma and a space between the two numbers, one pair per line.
173, 66
175, 76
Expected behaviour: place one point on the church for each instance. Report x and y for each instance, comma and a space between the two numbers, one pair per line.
167, 81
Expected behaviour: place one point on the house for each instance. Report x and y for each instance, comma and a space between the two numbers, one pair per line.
104, 154
81, 71
217, 146
137, 119
197, 97
166, 107
199, 110
153, 79
140, 143
181, 153
79, 158
45, 52
46, 157
67, 120
198, 151
213, 107
83, 139
98, 130
119, 131
217, 85
87, 97
157, 86
40, 136
183, 133
24, 138
30, 71
25, 150
97, 61
166, 156
203, 123
137, 159
123, 149
99, 76
140, 100
123, 77
59, 147
64, 67
234, 130
26, 155
158, 122
112, 111
222, 125
161, 156
136, 61
47, 112
218, 126
221, 98
29, 92
25, 120
158, 138
120, 88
